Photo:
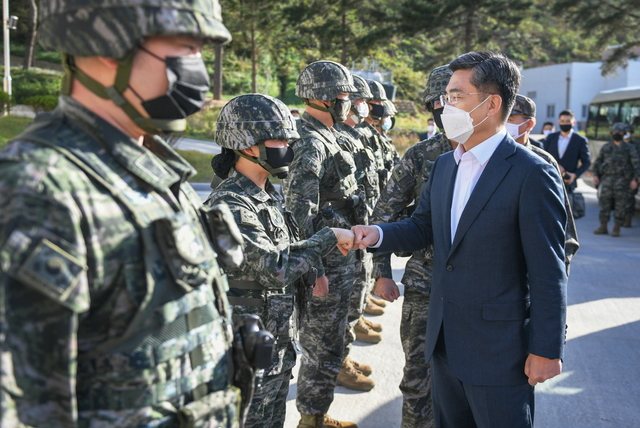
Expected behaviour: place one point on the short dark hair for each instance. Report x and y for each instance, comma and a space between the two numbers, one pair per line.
549, 123
567, 113
430, 119
493, 72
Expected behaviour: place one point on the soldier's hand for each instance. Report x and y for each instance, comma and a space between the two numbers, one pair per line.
387, 289
538, 369
322, 287
633, 185
596, 181
365, 236
345, 240
572, 177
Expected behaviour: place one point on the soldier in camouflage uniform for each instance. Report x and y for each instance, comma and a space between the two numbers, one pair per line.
112, 306
401, 194
321, 190
521, 121
631, 204
616, 171
255, 130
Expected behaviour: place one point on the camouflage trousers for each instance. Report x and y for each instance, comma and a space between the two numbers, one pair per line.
269, 404
322, 347
613, 194
631, 204
417, 411
361, 288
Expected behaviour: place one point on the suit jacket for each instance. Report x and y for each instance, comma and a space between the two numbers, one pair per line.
499, 290
577, 150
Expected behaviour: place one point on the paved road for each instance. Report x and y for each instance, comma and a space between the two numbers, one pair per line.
208, 147
600, 385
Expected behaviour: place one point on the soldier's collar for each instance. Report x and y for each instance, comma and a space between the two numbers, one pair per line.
251, 189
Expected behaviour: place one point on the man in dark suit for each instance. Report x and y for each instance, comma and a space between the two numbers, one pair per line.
494, 212
569, 149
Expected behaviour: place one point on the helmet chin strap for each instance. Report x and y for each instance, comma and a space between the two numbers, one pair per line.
329, 109
262, 161
115, 94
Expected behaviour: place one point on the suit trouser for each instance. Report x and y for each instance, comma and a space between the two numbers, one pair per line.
459, 405
322, 340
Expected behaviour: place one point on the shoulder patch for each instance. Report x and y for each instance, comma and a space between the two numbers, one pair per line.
249, 218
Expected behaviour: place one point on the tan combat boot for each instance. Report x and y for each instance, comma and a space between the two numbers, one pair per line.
377, 301
602, 230
627, 221
329, 422
616, 229
372, 325
365, 369
311, 421
372, 309
366, 334
351, 378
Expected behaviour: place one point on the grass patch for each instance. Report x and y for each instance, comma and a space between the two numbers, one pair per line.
201, 162
407, 131
11, 126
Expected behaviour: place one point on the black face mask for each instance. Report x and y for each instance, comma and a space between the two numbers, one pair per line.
279, 160
340, 110
436, 117
566, 128
377, 111
617, 137
188, 87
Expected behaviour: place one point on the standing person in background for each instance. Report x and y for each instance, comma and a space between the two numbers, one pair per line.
254, 131
399, 198
615, 172
321, 190
431, 130
113, 310
569, 149
547, 128
522, 120
631, 204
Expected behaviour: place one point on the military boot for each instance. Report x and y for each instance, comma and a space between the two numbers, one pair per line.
377, 301
351, 378
616, 229
366, 334
627, 221
373, 309
311, 421
602, 230
329, 422
365, 369
372, 325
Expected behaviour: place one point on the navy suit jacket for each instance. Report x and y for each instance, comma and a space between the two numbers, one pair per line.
577, 150
499, 290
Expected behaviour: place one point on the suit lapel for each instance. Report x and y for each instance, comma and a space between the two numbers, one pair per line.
450, 172
491, 177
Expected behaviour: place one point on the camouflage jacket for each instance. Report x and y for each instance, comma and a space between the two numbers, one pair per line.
112, 307
617, 161
404, 189
274, 260
321, 172
366, 166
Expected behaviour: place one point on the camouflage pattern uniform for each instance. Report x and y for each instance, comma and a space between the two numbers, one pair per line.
616, 166
404, 188
112, 306
269, 278
321, 178
631, 204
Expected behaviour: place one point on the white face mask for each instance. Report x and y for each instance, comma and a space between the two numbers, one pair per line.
386, 123
431, 128
513, 129
546, 132
458, 124
363, 110
627, 136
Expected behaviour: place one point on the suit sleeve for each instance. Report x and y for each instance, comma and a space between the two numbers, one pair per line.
584, 156
542, 219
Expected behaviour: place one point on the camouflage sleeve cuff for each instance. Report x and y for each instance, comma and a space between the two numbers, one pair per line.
326, 239
382, 266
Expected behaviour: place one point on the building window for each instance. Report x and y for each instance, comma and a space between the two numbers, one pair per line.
551, 110
532, 95
585, 111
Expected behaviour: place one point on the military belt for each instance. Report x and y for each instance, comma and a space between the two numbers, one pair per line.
246, 301
328, 196
245, 285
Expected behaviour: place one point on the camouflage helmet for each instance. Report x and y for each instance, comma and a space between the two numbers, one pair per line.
324, 80
619, 127
248, 120
377, 90
389, 108
362, 91
114, 28
436, 84
630, 129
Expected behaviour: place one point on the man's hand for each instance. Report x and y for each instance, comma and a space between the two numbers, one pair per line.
538, 369
365, 236
345, 240
572, 177
633, 185
387, 289
322, 287
596, 180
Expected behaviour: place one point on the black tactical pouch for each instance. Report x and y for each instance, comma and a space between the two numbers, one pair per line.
225, 235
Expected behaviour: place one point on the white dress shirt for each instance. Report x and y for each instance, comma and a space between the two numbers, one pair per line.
471, 164
563, 143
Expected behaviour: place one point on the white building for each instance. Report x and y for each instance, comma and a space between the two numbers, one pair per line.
571, 86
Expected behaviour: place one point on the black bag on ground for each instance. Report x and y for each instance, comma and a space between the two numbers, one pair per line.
577, 204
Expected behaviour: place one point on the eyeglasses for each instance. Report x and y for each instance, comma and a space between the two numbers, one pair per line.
452, 98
